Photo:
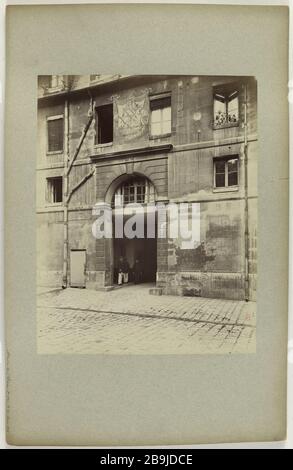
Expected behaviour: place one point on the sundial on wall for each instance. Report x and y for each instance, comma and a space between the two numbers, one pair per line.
133, 116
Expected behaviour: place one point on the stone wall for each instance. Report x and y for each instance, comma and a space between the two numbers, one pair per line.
213, 268
215, 265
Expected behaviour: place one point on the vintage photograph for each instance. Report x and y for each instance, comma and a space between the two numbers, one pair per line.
146, 206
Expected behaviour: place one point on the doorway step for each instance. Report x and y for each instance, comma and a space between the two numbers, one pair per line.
105, 288
156, 291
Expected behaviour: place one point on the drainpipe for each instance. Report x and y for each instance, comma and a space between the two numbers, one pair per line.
246, 232
65, 194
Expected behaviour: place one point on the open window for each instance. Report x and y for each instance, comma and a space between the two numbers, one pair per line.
104, 124
226, 172
54, 189
160, 107
226, 106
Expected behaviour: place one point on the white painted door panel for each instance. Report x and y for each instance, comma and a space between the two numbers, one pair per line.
77, 268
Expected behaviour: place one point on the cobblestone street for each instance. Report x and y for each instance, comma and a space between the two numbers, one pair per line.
129, 320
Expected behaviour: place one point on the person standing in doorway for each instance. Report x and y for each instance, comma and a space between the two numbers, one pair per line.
123, 270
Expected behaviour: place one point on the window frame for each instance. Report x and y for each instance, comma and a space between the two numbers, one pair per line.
227, 187
56, 117
59, 81
135, 183
60, 84
97, 144
50, 190
153, 98
226, 91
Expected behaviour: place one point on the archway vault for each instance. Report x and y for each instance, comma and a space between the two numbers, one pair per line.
128, 188
111, 174
109, 177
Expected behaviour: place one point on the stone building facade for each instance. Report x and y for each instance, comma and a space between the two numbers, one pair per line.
167, 139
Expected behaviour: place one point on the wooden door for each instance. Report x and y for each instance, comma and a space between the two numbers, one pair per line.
77, 268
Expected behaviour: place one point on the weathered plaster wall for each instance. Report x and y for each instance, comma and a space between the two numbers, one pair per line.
50, 249
252, 248
80, 238
192, 111
216, 267
216, 263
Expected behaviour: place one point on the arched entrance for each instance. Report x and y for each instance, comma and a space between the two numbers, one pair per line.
138, 250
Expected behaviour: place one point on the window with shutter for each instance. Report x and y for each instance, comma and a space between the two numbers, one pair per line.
55, 134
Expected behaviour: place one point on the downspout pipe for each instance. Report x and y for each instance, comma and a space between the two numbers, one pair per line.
246, 230
65, 195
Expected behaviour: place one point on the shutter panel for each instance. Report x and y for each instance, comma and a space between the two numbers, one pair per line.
55, 135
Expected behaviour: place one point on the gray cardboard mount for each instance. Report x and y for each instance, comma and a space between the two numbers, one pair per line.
145, 400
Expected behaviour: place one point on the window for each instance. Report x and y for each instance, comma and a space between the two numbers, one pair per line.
135, 190
160, 107
226, 172
94, 77
104, 124
54, 189
56, 81
55, 133
226, 106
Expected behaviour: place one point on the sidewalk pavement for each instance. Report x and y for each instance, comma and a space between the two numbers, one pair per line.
124, 318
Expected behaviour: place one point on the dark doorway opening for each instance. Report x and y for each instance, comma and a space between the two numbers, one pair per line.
142, 249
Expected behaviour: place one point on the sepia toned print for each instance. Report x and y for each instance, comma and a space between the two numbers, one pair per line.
146, 214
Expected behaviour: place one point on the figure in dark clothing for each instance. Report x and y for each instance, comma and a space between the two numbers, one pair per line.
137, 271
123, 270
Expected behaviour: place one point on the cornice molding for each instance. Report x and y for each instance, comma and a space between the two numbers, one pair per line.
132, 152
